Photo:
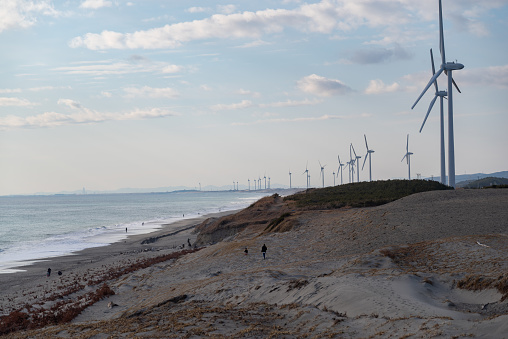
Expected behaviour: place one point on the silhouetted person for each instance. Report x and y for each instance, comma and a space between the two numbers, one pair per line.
246, 251
49, 272
263, 250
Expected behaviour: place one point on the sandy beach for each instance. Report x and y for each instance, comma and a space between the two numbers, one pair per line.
432, 264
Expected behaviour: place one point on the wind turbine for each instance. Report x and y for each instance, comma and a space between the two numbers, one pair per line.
249, 183
447, 68
290, 178
357, 164
351, 164
369, 154
408, 157
265, 180
307, 172
441, 95
322, 174
333, 174
268, 182
340, 169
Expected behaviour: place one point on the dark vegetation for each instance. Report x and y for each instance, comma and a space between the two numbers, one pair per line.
363, 194
478, 283
38, 315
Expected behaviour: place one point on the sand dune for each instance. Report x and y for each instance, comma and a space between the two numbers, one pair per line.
391, 270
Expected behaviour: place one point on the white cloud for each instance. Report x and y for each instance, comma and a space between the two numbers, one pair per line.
226, 9
79, 115
23, 13
150, 92
205, 88
196, 10
378, 87
291, 103
10, 90
241, 105
242, 91
375, 55
95, 4
108, 67
5, 101
322, 86
106, 94
301, 119
495, 76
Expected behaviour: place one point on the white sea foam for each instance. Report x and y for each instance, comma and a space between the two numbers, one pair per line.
53, 227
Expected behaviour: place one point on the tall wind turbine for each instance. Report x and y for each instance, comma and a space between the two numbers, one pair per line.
333, 175
408, 157
447, 68
441, 95
340, 169
290, 178
306, 172
369, 154
322, 174
352, 165
357, 157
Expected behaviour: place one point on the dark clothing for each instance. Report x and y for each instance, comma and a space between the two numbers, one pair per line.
49, 272
263, 249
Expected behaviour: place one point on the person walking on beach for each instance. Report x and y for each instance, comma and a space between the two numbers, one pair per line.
49, 272
263, 250
246, 251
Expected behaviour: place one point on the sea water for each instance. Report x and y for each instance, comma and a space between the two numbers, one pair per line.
36, 227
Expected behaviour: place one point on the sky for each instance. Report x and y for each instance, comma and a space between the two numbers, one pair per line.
111, 94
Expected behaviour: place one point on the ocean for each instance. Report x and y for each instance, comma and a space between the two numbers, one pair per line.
36, 227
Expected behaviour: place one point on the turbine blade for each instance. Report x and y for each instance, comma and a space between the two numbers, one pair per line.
367, 146
441, 34
434, 78
353, 150
365, 160
433, 69
428, 112
455, 84
404, 158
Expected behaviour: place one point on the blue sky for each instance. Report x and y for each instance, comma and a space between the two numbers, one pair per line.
109, 94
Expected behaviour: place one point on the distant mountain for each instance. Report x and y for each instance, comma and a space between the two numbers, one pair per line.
486, 182
465, 179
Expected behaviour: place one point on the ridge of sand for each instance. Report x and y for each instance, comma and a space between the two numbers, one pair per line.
384, 271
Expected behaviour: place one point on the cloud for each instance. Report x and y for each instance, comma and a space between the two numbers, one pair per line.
242, 91
301, 119
150, 92
23, 13
226, 9
376, 55
240, 105
79, 115
10, 90
95, 4
323, 17
5, 101
196, 10
291, 103
378, 87
108, 67
322, 86
494, 76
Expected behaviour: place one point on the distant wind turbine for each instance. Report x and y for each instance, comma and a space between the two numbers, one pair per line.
407, 156
249, 183
290, 178
265, 180
322, 173
447, 68
333, 175
357, 157
340, 169
306, 172
369, 154
351, 165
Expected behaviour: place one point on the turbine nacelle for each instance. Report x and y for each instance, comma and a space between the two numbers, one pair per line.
452, 66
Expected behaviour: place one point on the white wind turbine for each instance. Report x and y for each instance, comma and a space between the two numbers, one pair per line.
340, 169
369, 154
441, 95
357, 157
408, 157
447, 68
351, 164
290, 178
306, 172
322, 174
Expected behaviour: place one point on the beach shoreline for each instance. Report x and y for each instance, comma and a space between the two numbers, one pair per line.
91, 259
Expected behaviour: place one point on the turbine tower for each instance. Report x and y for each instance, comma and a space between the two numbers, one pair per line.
322, 173
369, 154
357, 157
351, 165
333, 175
340, 169
290, 178
408, 157
447, 68
441, 95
